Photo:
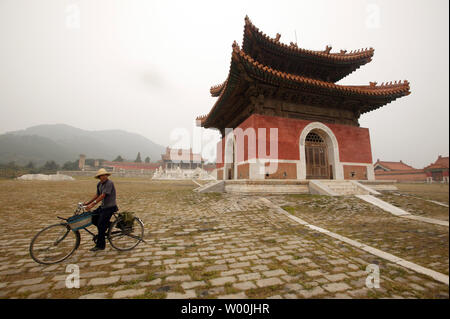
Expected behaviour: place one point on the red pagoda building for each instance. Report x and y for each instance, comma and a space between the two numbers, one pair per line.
438, 171
182, 158
398, 171
291, 92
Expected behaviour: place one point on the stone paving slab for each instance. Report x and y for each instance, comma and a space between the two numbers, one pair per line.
199, 246
128, 293
362, 225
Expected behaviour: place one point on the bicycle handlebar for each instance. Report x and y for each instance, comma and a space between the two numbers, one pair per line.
80, 208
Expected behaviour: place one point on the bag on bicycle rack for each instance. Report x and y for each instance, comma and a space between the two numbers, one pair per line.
80, 221
126, 220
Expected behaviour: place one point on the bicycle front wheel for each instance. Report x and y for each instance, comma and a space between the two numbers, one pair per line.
126, 238
54, 244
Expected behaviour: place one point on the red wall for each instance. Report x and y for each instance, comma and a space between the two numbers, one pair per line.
353, 142
406, 175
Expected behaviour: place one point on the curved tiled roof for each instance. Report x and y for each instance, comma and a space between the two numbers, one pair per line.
307, 74
215, 90
355, 56
323, 65
395, 166
389, 91
372, 89
441, 162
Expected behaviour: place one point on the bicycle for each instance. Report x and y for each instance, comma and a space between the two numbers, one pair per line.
57, 242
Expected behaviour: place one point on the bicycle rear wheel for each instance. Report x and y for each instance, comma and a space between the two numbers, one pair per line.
54, 244
126, 238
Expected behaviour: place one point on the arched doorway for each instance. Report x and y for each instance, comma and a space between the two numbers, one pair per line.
319, 155
229, 165
317, 166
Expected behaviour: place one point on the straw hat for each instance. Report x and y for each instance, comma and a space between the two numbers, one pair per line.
101, 172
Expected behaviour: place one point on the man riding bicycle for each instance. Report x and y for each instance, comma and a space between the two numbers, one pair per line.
106, 193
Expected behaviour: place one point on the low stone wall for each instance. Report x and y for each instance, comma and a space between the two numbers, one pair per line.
267, 186
77, 173
137, 173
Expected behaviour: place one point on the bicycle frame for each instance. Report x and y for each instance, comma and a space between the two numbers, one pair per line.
81, 209
92, 234
115, 215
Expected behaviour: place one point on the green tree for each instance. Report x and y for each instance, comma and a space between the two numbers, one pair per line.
70, 166
89, 161
50, 166
118, 159
30, 165
147, 159
138, 158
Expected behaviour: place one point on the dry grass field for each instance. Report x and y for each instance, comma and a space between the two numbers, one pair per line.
224, 246
436, 191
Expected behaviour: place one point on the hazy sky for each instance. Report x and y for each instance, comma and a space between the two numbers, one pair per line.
147, 66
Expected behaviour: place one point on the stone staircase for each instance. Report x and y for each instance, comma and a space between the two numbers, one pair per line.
266, 188
256, 187
321, 187
214, 186
339, 188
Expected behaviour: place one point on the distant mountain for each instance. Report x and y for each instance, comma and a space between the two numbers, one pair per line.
63, 143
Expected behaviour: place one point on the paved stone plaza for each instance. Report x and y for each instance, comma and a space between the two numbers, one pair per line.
219, 246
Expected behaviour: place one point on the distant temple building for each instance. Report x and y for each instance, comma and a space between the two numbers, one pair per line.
130, 166
210, 167
401, 172
438, 171
283, 96
398, 171
83, 166
182, 158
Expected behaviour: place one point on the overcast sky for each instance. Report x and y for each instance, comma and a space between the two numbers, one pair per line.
146, 66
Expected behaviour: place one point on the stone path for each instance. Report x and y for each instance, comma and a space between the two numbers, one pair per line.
424, 206
428, 200
198, 246
437, 203
379, 253
422, 243
398, 211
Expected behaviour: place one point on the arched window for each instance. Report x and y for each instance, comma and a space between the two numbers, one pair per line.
314, 138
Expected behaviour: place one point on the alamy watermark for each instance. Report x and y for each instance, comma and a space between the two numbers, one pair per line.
73, 278
373, 277
373, 20
252, 145
73, 16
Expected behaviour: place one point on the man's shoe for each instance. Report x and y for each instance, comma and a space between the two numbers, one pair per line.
96, 248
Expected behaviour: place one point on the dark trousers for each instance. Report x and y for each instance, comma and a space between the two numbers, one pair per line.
101, 219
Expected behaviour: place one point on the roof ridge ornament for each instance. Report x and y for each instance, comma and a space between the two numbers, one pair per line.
277, 37
328, 49
235, 46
